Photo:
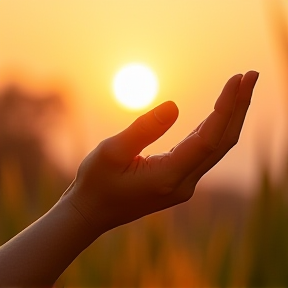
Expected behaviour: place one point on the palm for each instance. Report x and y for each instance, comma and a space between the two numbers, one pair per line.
130, 186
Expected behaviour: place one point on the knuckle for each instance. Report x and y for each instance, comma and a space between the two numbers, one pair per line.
187, 195
146, 126
104, 149
233, 140
189, 191
143, 124
205, 146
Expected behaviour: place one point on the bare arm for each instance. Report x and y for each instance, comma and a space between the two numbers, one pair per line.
114, 185
39, 254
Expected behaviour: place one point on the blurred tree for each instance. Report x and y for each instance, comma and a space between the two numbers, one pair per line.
29, 181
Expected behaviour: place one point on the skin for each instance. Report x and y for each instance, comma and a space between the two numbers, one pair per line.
114, 185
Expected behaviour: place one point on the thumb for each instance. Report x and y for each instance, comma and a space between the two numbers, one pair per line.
144, 130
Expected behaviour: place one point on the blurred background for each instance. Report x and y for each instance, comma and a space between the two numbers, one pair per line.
57, 64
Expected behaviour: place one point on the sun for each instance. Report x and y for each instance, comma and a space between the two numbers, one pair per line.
135, 86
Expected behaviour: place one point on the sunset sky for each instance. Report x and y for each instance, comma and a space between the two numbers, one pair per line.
194, 47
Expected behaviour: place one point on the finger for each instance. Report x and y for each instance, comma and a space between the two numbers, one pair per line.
198, 146
234, 128
219, 105
143, 131
193, 132
212, 130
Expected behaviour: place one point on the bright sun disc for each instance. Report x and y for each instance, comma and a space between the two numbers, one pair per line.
135, 86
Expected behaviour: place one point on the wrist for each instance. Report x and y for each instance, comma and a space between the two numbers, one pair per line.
88, 222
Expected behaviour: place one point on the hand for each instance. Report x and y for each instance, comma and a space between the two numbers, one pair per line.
115, 185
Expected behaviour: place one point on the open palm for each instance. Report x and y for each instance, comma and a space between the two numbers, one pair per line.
116, 185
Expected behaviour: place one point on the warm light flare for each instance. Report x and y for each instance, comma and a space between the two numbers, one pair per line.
135, 86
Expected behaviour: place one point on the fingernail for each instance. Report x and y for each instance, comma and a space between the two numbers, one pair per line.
166, 113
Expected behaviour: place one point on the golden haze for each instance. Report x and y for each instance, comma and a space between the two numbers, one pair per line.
193, 46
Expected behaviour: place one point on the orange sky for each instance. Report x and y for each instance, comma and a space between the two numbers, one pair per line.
193, 47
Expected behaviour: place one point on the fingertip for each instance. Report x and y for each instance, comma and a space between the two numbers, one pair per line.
234, 81
250, 79
238, 76
225, 102
253, 72
166, 113
254, 75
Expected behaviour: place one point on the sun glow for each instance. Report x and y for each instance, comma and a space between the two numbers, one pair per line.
135, 86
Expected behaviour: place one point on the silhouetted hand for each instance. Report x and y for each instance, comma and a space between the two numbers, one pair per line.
115, 185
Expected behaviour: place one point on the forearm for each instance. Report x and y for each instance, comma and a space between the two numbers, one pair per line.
40, 253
